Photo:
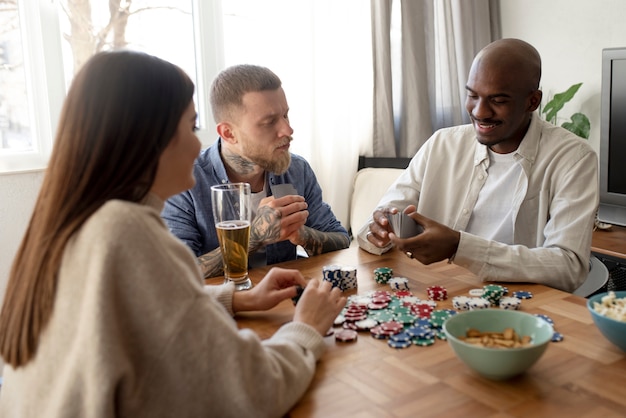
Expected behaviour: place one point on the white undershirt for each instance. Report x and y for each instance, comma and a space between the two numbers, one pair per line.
492, 217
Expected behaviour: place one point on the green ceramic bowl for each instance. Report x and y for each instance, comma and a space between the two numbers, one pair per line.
498, 363
612, 329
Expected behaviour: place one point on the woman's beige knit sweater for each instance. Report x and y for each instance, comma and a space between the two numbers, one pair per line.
134, 333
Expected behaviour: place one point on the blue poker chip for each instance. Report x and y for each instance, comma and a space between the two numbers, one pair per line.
402, 336
422, 322
399, 344
545, 318
522, 294
557, 337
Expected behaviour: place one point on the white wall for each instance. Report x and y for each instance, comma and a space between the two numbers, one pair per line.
570, 36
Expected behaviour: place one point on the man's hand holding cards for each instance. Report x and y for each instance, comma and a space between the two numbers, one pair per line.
403, 225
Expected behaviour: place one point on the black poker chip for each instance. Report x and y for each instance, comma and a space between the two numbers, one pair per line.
296, 298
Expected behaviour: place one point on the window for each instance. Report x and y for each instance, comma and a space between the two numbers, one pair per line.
59, 36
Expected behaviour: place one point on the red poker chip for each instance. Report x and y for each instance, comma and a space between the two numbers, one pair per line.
346, 335
403, 293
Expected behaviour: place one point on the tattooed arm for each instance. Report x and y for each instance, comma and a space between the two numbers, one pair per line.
317, 242
211, 263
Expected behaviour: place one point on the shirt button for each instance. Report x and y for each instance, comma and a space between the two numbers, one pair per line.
481, 177
465, 211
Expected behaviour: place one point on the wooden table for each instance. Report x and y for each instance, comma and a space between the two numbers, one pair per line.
583, 375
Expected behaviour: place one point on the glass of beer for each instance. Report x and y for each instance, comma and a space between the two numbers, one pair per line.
232, 215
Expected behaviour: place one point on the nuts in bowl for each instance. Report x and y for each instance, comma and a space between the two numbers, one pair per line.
498, 344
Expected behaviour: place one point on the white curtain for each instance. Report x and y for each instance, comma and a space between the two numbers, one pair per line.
437, 44
335, 60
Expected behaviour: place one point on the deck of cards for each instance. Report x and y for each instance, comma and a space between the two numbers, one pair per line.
280, 190
403, 225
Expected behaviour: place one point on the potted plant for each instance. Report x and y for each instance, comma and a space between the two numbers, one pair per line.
578, 124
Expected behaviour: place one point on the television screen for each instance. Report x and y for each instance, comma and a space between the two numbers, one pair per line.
617, 129
613, 137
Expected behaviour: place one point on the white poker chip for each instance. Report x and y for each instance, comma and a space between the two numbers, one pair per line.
461, 303
510, 302
366, 324
340, 319
479, 303
476, 292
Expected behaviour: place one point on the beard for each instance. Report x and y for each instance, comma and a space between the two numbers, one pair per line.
277, 165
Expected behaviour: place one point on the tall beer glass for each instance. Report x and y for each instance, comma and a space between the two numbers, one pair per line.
232, 215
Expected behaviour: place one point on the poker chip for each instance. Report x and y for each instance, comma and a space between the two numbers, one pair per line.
493, 293
423, 342
479, 303
399, 344
346, 335
522, 294
399, 283
340, 319
557, 337
401, 336
299, 291
476, 293
349, 325
510, 303
382, 275
403, 293
437, 293
545, 318
462, 303
366, 324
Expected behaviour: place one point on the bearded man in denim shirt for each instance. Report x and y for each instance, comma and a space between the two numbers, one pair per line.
251, 112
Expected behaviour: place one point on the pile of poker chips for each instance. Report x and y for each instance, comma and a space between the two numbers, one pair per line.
403, 319
343, 277
398, 317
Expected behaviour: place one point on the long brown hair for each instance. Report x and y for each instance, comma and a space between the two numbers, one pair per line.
120, 113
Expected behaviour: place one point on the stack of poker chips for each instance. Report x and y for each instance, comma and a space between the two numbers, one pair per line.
343, 277
382, 275
510, 302
493, 293
478, 303
399, 283
437, 293
461, 303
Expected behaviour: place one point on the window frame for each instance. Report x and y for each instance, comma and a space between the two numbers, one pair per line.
46, 89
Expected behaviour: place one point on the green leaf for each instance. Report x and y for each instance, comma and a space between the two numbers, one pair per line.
558, 101
579, 125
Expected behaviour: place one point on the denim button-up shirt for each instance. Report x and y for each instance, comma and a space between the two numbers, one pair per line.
189, 215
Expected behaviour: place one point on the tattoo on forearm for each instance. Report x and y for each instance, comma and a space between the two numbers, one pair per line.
265, 228
317, 242
211, 263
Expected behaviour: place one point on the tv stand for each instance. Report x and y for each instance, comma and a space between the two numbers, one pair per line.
610, 247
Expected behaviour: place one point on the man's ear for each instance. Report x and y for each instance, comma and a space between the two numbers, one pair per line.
225, 131
535, 100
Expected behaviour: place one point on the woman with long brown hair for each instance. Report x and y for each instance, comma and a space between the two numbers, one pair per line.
105, 313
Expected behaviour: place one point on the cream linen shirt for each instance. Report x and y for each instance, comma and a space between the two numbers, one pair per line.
553, 207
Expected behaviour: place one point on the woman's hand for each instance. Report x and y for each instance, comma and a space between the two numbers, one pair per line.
277, 285
319, 305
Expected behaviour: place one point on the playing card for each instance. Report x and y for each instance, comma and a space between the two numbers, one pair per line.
280, 190
403, 225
